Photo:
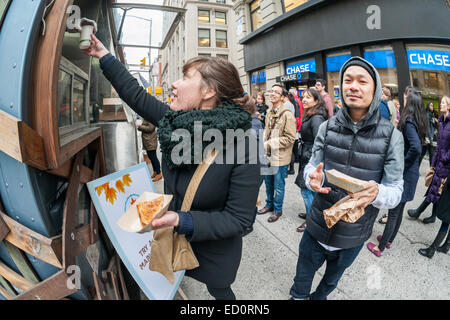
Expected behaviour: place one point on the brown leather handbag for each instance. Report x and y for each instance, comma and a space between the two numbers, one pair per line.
429, 176
170, 251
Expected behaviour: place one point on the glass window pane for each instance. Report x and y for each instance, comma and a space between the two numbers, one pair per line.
204, 38
221, 39
223, 56
221, 17
382, 58
429, 66
203, 16
79, 101
291, 4
256, 20
64, 98
334, 62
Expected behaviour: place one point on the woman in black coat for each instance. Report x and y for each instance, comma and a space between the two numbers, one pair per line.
413, 125
314, 114
210, 92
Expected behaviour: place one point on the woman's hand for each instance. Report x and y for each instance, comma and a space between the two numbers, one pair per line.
169, 219
97, 49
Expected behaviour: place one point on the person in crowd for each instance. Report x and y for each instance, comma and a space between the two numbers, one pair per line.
296, 106
320, 86
294, 93
298, 118
289, 101
440, 163
337, 106
279, 139
384, 110
443, 213
261, 107
209, 92
150, 144
315, 113
413, 125
432, 124
361, 144
386, 96
397, 108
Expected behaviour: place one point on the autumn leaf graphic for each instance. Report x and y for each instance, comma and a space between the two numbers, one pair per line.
102, 187
111, 195
119, 186
127, 180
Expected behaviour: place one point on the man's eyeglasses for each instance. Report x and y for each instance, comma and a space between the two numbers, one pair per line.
275, 92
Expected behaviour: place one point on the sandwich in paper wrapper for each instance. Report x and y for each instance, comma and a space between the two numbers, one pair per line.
345, 209
148, 206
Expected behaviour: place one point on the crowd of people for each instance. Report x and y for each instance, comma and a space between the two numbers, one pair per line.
351, 137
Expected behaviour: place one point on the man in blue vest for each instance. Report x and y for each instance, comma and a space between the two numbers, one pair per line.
361, 144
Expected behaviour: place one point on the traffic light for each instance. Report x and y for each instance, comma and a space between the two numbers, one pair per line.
143, 62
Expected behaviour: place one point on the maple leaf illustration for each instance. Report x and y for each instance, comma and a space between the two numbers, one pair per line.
102, 187
111, 195
127, 180
119, 186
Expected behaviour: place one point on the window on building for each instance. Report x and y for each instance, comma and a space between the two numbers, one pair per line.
258, 82
203, 16
204, 54
255, 14
72, 94
291, 4
429, 67
220, 1
382, 58
204, 38
220, 17
221, 39
223, 56
335, 61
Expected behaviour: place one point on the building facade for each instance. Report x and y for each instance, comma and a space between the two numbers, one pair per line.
208, 29
295, 42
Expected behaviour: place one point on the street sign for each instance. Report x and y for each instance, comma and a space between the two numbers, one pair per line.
112, 195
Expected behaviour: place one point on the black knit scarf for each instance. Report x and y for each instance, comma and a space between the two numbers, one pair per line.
227, 115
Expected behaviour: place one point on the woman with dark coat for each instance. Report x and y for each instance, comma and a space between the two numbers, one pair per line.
261, 107
441, 164
150, 144
432, 120
440, 195
210, 92
413, 125
314, 114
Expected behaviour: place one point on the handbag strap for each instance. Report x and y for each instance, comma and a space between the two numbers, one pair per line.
196, 179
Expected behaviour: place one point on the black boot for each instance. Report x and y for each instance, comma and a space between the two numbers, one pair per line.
430, 219
415, 213
429, 252
446, 246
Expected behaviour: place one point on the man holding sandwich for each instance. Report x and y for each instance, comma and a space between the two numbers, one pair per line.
359, 143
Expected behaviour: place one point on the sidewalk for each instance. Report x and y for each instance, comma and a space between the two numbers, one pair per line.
270, 256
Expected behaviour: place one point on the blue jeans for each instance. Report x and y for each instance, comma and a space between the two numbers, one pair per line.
311, 257
308, 197
275, 189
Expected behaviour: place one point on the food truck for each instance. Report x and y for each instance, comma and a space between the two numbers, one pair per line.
61, 126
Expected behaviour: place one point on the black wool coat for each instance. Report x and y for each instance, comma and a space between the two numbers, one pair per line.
443, 208
224, 204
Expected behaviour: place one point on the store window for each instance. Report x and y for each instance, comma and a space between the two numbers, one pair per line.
220, 17
299, 66
430, 71
204, 38
291, 4
258, 82
221, 39
203, 16
334, 62
255, 14
72, 95
382, 58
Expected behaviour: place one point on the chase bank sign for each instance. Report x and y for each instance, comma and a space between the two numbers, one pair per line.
291, 77
305, 66
429, 59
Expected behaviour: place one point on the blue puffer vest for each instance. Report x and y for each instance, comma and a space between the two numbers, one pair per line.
360, 155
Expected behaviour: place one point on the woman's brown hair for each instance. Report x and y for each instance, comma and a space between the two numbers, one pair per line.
221, 76
319, 108
261, 94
